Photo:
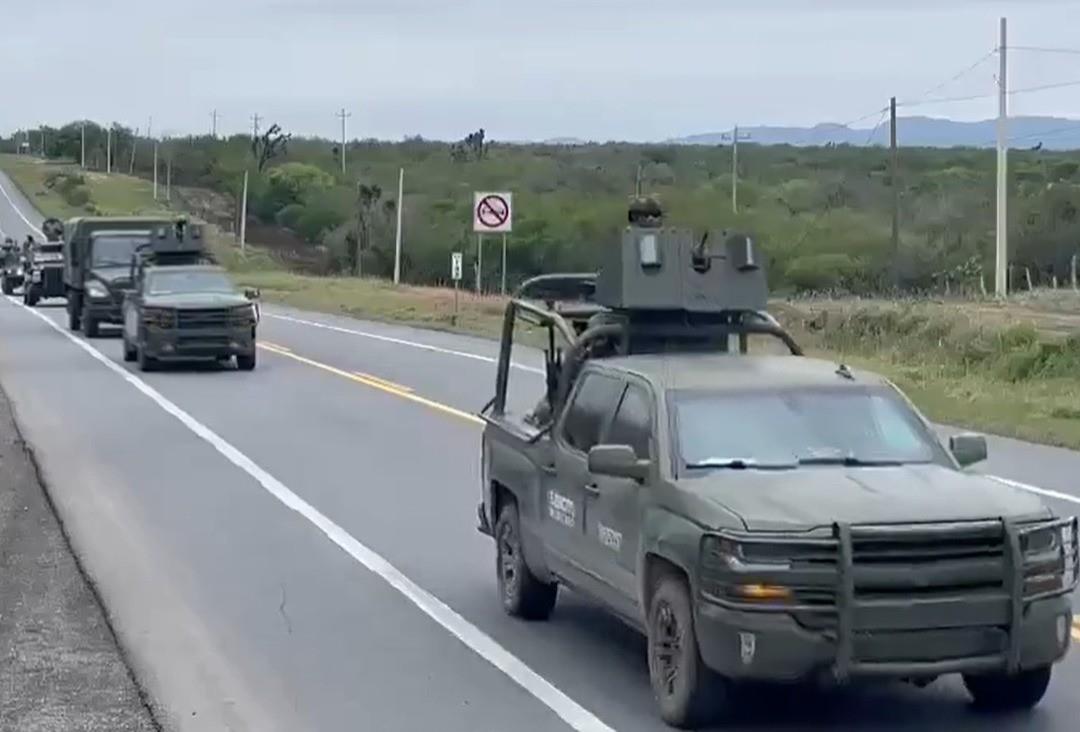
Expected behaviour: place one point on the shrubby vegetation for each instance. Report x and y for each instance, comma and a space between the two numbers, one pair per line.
822, 215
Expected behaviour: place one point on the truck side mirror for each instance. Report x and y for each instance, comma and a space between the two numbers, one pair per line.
968, 449
618, 461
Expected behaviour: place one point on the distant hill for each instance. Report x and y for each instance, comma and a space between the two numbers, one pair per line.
1055, 133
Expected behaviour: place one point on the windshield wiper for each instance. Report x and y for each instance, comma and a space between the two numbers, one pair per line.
850, 461
739, 464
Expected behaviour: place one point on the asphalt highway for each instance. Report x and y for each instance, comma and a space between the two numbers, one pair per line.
295, 548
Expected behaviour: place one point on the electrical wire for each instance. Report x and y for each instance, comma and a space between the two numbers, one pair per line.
955, 77
1070, 51
874, 129
1011, 92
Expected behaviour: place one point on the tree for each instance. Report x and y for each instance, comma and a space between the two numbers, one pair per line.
271, 144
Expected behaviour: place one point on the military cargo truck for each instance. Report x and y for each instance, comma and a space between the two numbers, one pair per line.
766, 517
43, 265
11, 267
97, 265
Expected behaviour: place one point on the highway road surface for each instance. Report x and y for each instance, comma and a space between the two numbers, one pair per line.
295, 548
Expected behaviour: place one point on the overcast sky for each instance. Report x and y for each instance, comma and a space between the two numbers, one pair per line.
522, 69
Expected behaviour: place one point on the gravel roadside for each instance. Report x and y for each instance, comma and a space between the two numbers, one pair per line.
60, 666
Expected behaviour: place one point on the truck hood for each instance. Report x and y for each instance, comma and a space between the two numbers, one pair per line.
112, 277
195, 300
810, 497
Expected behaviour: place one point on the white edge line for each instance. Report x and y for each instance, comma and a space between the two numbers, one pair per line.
1033, 489
20, 213
482, 644
402, 342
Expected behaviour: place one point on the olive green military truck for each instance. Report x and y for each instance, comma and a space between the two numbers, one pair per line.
182, 307
43, 265
97, 265
11, 266
758, 515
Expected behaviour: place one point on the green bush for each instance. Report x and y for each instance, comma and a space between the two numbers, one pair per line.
821, 272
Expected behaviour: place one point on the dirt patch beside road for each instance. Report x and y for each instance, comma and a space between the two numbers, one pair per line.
60, 667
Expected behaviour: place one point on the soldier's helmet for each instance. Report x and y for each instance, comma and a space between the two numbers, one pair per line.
53, 229
645, 211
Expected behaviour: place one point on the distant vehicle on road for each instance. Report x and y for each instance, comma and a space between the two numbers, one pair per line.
758, 517
43, 265
188, 312
11, 273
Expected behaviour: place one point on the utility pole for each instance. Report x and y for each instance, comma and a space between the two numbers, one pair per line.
344, 116
168, 170
42, 141
397, 236
243, 216
108, 150
255, 119
155, 169
213, 123
895, 191
134, 144
82, 144
734, 136
1001, 284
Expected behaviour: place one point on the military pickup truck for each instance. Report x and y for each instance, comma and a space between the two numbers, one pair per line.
759, 516
186, 312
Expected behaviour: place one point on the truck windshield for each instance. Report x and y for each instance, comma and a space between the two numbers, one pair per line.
168, 283
788, 428
114, 251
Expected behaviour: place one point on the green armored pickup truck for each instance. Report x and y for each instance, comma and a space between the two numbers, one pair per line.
759, 516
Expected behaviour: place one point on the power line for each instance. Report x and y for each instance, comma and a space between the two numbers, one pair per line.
955, 77
875, 128
1071, 51
1011, 92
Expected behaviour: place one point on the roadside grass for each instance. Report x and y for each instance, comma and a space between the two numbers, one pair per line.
1009, 368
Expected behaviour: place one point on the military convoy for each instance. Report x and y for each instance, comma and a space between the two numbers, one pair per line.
759, 517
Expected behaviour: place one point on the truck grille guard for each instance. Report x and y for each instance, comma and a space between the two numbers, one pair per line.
823, 577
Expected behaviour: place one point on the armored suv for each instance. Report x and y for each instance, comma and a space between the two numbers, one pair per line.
758, 517
188, 312
11, 275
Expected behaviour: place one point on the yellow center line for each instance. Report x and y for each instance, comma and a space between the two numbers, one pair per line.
385, 382
374, 383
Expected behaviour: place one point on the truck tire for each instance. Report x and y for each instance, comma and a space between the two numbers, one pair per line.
89, 325
245, 362
74, 307
522, 594
32, 297
7, 287
146, 363
686, 690
1008, 692
130, 354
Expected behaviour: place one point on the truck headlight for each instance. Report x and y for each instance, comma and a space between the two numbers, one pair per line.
1043, 541
744, 572
96, 290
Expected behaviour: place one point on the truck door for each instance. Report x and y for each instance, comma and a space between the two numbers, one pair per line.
578, 429
612, 510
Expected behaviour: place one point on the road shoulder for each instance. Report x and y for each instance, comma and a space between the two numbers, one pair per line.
62, 666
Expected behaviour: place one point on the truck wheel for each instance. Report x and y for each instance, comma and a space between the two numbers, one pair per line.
685, 689
73, 308
7, 287
522, 594
146, 363
245, 363
1005, 692
89, 325
32, 298
129, 351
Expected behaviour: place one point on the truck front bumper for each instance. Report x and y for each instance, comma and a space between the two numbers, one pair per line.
775, 647
173, 345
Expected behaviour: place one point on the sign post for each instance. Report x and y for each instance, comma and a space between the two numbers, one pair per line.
455, 275
493, 213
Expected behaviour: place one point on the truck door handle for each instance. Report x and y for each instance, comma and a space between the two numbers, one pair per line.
592, 489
